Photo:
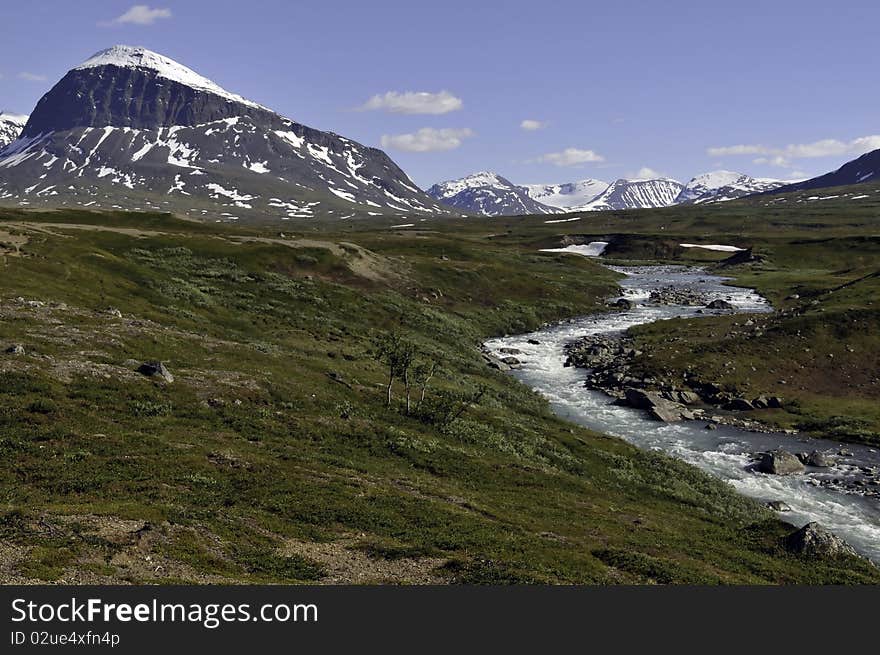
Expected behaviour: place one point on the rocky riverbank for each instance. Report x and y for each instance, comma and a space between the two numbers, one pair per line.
608, 360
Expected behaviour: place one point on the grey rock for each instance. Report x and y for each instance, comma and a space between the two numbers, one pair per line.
688, 398
815, 541
659, 408
780, 462
156, 369
819, 459
779, 506
719, 304
496, 363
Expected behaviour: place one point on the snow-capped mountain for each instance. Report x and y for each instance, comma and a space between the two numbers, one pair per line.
719, 186
488, 194
132, 129
11, 126
568, 196
864, 169
636, 194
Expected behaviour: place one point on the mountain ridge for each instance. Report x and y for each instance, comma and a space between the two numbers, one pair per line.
11, 126
722, 185
865, 168
125, 129
488, 194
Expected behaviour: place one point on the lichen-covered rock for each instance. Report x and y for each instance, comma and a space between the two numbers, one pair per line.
815, 541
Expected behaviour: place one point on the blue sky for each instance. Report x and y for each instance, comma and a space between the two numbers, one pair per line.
613, 89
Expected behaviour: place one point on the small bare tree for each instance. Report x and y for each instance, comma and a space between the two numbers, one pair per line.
422, 375
397, 354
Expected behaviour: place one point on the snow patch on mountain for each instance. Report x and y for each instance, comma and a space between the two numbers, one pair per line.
11, 126
125, 56
489, 194
569, 195
636, 194
719, 186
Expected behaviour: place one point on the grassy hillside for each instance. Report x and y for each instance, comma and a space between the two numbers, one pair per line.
272, 456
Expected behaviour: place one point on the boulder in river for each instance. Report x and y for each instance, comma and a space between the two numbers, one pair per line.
659, 408
780, 462
820, 459
779, 506
156, 369
622, 303
718, 303
815, 541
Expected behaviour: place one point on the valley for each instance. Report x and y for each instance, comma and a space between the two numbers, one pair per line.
273, 455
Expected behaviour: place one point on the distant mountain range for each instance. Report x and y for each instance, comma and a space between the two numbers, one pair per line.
132, 129
492, 195
637, 194
488, 194
719, 186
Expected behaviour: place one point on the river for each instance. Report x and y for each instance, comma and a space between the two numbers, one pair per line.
726, 452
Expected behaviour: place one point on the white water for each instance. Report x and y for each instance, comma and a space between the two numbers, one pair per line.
725, 452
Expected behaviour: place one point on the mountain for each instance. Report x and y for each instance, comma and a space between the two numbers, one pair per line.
636, 194
132, 129
11, 126
568, 196
719, 186
864, 169
488, 194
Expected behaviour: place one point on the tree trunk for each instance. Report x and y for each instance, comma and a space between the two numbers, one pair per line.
425, 384
390, 385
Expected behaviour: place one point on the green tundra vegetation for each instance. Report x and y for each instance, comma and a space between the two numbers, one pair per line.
328, 417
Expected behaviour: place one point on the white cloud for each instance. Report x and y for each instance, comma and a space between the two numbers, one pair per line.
414, 102
531, 125
778, 160
783, 156
139, 15
571, 157
647, 173
427, 139
31, 77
